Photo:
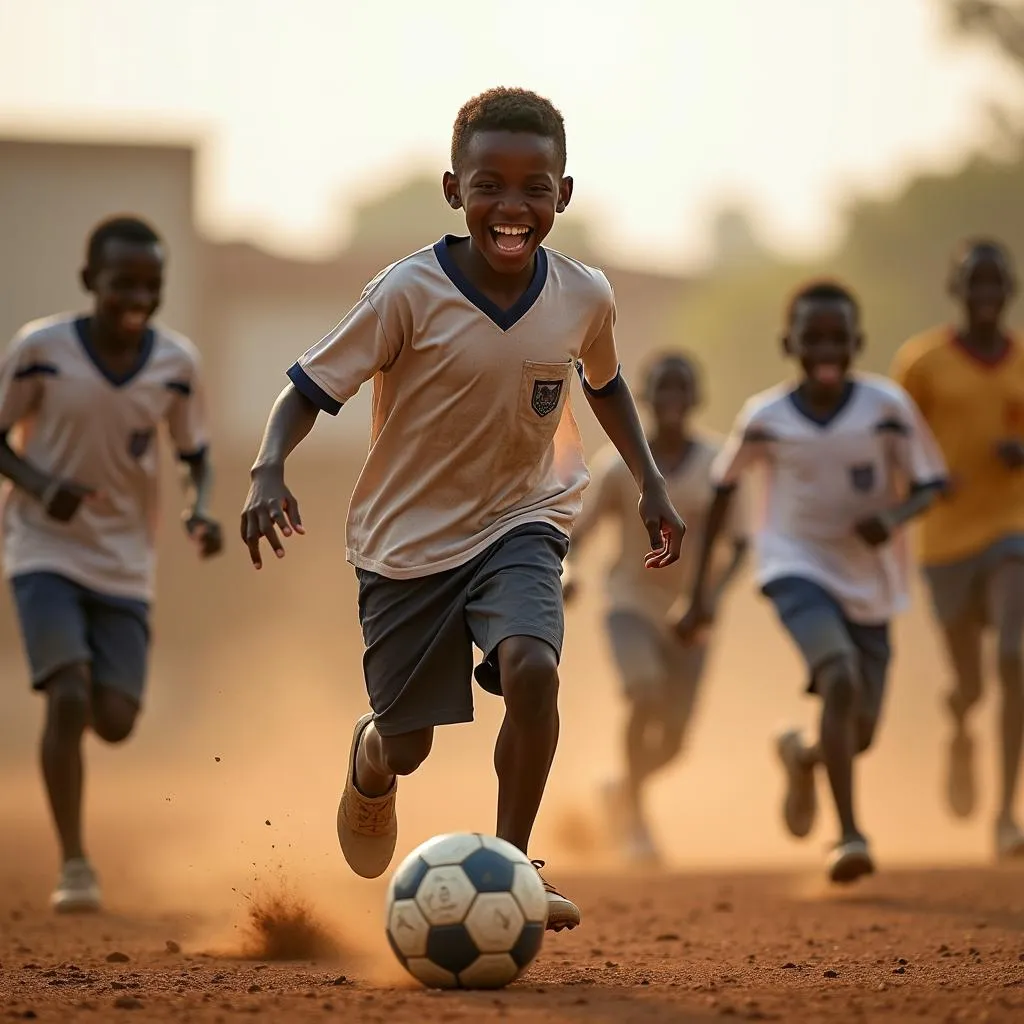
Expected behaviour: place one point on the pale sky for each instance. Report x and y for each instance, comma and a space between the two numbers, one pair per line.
671, 105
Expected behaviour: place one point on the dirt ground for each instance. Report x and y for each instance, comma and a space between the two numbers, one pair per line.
939, 945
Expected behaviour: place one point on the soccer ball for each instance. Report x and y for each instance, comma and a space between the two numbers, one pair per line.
466, 911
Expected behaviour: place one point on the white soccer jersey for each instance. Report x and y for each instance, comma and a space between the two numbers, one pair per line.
76, 421
613, 494
824, 477
470, 434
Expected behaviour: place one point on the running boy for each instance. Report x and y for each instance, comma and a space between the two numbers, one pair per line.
969, 383
660, 674
840, 450
87, 395
460, 518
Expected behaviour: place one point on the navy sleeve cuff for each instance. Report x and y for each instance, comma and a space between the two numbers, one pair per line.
193, 458
937, 484
308, 388
606, 389
725, 488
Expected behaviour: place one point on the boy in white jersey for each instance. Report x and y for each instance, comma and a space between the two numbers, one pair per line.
848, 460
460, 518
82, 399
660, 674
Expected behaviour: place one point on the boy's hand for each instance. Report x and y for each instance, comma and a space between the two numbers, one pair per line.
63, 498
664, 526
269, 506
570, 588
1011, 452
206, 533
698, 617
874, 530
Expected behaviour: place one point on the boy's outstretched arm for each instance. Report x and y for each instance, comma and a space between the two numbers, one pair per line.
60, 498
615, 410
199, 523
270, 505
702, 606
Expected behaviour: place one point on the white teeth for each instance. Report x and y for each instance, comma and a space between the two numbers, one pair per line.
510, 229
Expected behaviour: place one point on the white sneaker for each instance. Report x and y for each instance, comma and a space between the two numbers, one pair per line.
1009, 840
563, 914
78, 891
801, 804
639, 847
849, 860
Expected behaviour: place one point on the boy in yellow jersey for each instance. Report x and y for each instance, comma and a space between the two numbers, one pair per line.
969, 384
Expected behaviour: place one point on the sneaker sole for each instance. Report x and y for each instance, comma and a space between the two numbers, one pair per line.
367, 856
849, 868
76, 907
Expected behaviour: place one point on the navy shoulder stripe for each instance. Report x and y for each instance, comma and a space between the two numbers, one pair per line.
182, 387
36, 370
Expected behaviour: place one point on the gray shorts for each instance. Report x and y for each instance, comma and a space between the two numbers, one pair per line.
419, 633
652, 663
959, 590
64, 623
815, 621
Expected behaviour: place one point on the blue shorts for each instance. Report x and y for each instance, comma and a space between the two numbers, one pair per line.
960, 590
815, 621
64, 623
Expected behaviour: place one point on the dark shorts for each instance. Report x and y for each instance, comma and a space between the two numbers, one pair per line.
419, 633
960, 590
64, 623
815, 621
652, 663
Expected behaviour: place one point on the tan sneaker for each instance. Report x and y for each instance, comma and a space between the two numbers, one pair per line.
367, 826
562, 913
801, 804
78, 891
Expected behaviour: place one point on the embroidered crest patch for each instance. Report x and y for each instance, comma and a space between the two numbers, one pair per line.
862, 477
546, 394
138, 443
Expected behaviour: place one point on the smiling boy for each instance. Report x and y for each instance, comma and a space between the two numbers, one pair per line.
461, 515
849, 460
87, 396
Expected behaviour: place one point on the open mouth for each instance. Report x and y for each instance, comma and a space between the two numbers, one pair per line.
827, 373
134, 320
511, 238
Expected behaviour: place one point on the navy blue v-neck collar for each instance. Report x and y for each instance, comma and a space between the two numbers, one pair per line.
84, 332
829, 418
503, 318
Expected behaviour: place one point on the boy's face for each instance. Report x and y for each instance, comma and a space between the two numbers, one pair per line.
825, 337
127, 283
673, 397
511, 186
984, 287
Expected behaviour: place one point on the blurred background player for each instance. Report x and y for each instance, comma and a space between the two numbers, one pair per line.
660, 674
459, 522
836, 449
968, 380
86, 396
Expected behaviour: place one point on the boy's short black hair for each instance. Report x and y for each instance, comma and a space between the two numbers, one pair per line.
659, 362
989, 247
122, 228
822, 290
504, 109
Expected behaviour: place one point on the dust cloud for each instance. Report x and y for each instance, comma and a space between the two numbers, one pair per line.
256, 680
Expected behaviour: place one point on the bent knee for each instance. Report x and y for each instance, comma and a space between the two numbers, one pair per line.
405, 753
866, 728
67, 699
113, 716
838, 680
529, 676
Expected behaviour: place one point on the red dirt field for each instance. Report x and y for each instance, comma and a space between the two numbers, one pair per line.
939, 945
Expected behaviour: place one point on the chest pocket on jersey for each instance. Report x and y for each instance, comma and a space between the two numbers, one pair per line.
543, 390
862, 477
139, 442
